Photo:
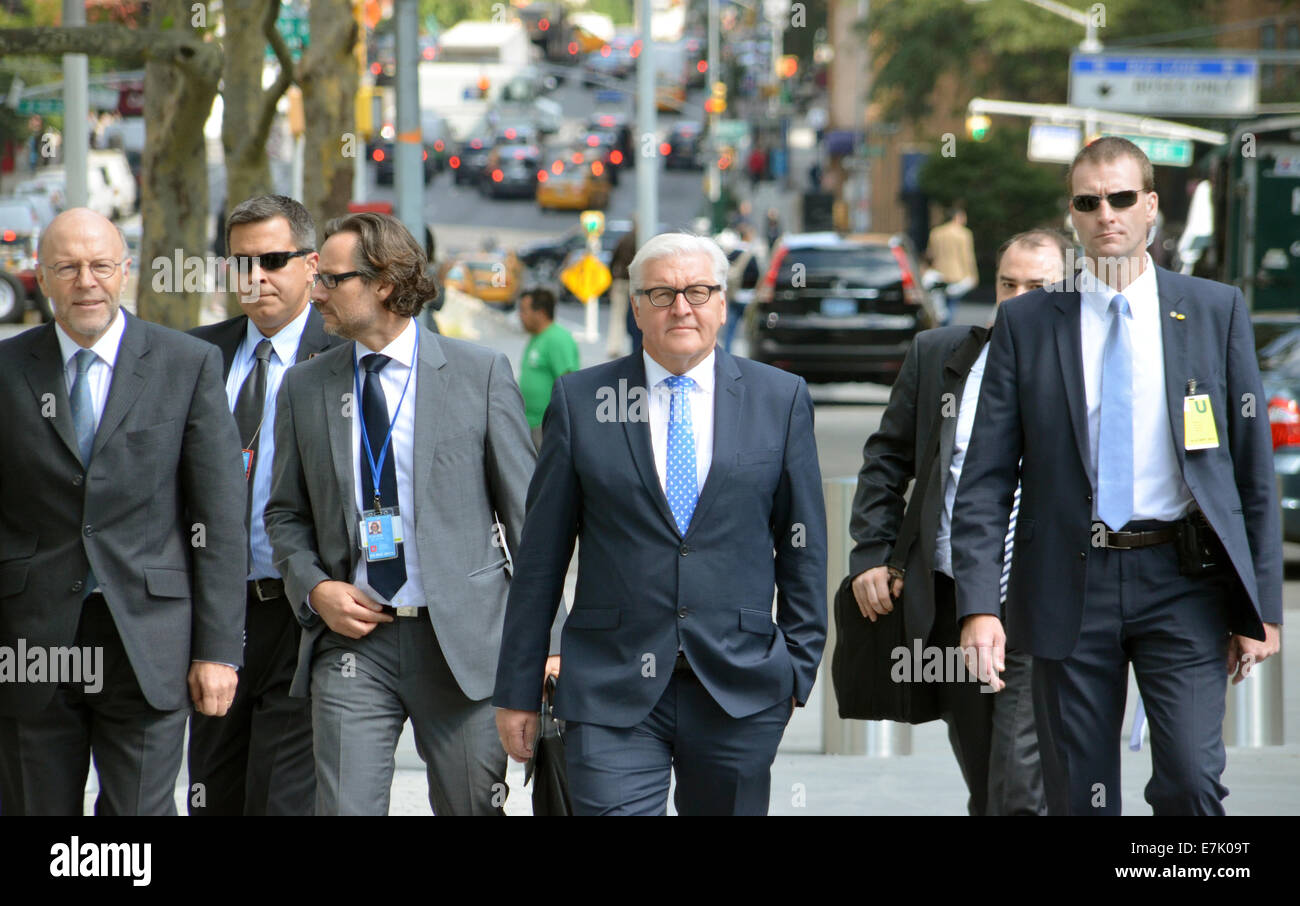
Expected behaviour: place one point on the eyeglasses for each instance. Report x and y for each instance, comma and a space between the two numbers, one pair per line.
696, 294
332, 281
269, 261
101, 270
1090, 203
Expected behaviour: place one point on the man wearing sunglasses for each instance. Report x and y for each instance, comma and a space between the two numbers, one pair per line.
1127, 404
121, 533
691, 480
257, 760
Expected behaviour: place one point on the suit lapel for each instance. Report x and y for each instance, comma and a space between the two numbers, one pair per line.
229, 342
1173, 335
638, 437
728, 401
431, 394
45, 376
338, 424
130, 372
1069, 350
956, 368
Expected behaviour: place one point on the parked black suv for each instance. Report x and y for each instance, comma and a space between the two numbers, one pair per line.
839, 307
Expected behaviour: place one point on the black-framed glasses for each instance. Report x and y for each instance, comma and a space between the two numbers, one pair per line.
696, 294
331, 281
101, 269
269, 261
1089, 203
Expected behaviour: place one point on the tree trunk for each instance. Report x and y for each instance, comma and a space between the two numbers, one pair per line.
328, 77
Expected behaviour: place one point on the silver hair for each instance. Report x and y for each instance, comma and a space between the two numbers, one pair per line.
672, 245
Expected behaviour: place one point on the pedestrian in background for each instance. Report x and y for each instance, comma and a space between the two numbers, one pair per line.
618, 294
550, 353
951, 250
743, 277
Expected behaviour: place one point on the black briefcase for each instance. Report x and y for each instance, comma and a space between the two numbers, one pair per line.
546, 769
863, 661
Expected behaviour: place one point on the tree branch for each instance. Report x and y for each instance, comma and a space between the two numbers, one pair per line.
177, 47
255, 140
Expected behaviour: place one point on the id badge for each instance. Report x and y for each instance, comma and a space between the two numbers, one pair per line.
248, 464
380, 532
1199, 432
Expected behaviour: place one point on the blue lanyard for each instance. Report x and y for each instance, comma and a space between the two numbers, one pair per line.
377, 468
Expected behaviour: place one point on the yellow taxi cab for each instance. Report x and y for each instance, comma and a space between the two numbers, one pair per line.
577, 180
494, 276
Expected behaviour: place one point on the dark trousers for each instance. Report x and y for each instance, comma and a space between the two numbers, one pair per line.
1015, 768
1174, 630
723, 764
45, 759
257, 760
966, 710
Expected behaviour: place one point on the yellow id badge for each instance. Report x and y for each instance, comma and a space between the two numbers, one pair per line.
1199, 432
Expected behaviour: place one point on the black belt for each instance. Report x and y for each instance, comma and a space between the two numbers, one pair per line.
266, 589
1127, 541
401, 611
681, 665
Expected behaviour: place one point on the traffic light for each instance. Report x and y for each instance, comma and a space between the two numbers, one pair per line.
977, 126
788, 66
717, 102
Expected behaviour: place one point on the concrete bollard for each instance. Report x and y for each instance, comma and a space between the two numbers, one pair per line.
1253, 718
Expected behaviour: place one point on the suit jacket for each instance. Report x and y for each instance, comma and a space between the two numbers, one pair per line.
229, 334
159, 514
474, 457
1032, 405
643, 588
933, 376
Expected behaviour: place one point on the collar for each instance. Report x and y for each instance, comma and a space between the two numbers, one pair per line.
401, 350
286, 340
105, 347
1097, 294
702, 374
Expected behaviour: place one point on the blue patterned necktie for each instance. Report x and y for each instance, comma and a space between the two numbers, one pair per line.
680, 479
1115, 433
384, 576
83, 422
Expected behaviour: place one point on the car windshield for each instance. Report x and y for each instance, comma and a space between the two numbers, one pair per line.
852, 265
17, 215
1279, 352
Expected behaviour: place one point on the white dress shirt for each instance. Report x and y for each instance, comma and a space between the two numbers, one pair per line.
1159, 491
701, 400
284, 353
401, 449
970, 398
100, 373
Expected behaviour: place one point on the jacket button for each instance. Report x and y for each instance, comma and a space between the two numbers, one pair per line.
77, 480
684, 549
1090, 498
681, 614
1083, 555
76, 586
88, 530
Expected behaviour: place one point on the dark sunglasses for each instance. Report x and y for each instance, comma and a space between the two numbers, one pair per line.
1089, 203
269, 261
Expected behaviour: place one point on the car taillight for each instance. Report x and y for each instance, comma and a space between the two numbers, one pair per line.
912, 294
438, 145
454, 161
1284, 420
497, 176
542, 175
665, 149
616, 157
767, 288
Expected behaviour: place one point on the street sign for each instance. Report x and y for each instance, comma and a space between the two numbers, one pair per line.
587, 278
40, 105
291, 23
1169, 152
1054, 143
1194, 84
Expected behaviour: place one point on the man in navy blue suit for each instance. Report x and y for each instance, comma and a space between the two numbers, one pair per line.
691, 479
1128, 403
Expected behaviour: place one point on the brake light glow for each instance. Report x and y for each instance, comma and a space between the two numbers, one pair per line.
497, 176
767, 288
592, 141
665, 149
542, 175
558, 167
543, 24
454, 161
912, 294
577, 157
573, 48
1284, 421
616, 157
438, 145
597, 168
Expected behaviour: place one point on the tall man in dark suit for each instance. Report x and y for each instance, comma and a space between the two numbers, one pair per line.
1129, 406
693, 499
257, 760
993, 737
122, 531
402, 460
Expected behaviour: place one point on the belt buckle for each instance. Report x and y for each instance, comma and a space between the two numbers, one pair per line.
406, 611
257, 590
1117, 546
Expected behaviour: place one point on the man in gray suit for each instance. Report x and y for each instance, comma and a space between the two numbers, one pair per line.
121, 534
397, 490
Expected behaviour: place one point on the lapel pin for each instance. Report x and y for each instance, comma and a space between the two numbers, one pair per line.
1178, 315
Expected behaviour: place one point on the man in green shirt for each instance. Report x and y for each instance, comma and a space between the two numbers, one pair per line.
550, 353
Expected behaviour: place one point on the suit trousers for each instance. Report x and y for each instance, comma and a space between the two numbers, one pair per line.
1174, 630
45, 759
966, 710
257, 760
362, 692
723, 764
1015, 769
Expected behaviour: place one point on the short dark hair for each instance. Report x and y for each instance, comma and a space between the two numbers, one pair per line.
387, 253
1036, 239
264, 207
1106, 149
541, 299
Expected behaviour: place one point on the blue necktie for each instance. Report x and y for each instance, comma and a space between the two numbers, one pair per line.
384, 576
680, 481
83, 422
1115, 435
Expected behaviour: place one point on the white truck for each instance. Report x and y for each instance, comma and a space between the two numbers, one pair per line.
472, 56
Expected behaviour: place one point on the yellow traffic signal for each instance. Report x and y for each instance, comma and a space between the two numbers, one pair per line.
977, 126
717, 102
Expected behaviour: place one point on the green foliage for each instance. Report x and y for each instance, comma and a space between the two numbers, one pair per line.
1003, 193
1005, 49
449, 12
